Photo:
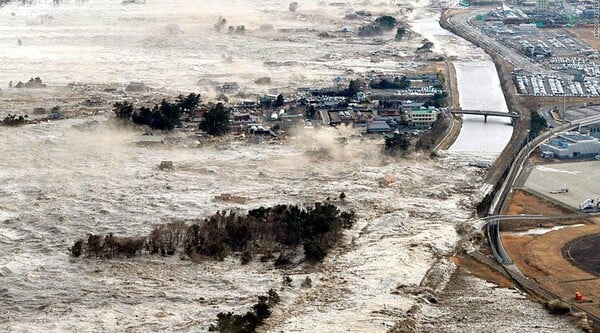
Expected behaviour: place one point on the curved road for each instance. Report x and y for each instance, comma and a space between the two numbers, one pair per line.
493, 225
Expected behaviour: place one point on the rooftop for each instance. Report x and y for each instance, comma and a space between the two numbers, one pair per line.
576, 137
378, 126
423, 111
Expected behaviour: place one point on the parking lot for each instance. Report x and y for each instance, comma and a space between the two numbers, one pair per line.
582, 179
572, 67
540, 85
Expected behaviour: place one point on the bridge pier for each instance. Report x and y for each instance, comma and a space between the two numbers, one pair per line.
485, 118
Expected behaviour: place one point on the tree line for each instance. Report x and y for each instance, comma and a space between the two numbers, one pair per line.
167, 115
538, 123
262, 231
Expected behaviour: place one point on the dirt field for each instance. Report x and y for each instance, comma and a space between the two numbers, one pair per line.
536, 102
537, 226
587, 35
540, 257
521, 202
584, 252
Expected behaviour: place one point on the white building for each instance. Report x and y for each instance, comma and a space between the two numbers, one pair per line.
571, 145
592, 130
541, 6
422, 117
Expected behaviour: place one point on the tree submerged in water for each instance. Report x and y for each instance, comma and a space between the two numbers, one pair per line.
13, 120
164, 116
398, 143
248, 323
216, 120
279, 229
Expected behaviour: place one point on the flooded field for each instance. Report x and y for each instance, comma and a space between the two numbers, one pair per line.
58, 183
174, 44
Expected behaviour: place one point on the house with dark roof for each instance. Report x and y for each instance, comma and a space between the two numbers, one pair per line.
378, 127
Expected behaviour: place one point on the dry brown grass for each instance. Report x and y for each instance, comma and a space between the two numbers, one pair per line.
517, 225
540, 257
534, 103
517, 247
521, 202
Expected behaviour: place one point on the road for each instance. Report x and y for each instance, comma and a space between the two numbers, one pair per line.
544, 111
517, 165
570, 113
493, 225
509, 269
461, 22
486, 113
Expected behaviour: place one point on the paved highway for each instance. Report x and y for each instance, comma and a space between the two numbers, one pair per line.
461, 22
522, 156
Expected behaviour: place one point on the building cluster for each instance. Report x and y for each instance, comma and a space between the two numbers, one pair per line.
546, 11
576, 64
369, 110
573, 144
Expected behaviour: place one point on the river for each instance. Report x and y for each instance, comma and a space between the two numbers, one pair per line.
479, 88
59, 182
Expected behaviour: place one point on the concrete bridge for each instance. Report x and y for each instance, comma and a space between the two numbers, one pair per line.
485, 114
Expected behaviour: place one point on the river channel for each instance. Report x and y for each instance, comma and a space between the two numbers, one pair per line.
479, 89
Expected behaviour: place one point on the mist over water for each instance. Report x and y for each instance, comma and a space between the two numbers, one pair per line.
59, 183
173, 43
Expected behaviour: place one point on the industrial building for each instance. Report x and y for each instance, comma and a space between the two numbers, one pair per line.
591, 130
571, 145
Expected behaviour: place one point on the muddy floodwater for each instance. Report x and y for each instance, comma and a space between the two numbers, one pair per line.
62, 180
479, 89
174, 44
58, 184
